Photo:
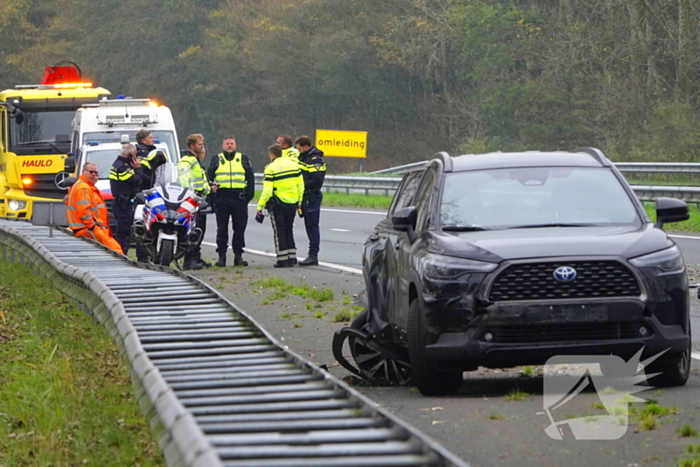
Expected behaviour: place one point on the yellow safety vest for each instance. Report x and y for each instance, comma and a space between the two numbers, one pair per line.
283, 180
191, 175
230, 173
291, 154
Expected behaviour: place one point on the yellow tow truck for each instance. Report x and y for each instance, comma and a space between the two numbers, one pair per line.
35, 137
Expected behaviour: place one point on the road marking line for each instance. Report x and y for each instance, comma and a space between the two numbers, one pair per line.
340, 230
320, 263
695, 355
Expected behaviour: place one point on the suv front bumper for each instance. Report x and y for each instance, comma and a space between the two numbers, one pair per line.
517, 334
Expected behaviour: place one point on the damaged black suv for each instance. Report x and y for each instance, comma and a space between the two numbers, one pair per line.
507, 259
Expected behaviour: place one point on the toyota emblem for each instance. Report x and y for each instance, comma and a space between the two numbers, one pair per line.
565, 274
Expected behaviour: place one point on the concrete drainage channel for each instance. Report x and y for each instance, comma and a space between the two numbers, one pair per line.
216, 388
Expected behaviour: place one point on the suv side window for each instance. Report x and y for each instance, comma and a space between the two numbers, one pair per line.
423, 202
408, 188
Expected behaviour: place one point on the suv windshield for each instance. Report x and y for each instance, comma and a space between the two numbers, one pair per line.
535, 197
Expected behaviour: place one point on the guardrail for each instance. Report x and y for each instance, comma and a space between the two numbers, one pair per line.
690, 168
216, 388
388, 186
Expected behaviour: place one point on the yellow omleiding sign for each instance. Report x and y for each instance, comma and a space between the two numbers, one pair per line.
342, 143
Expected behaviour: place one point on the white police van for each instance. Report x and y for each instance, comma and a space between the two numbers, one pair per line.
110, 119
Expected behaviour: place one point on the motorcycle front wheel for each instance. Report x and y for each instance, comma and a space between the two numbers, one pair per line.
167, 251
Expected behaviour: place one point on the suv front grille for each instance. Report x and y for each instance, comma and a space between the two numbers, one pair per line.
535, 281
565, 333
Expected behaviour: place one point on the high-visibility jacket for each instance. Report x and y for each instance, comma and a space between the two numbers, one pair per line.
230, 173
313, 169
192, 175
151, 159
291, 154
125, 180
283, 180
86, 208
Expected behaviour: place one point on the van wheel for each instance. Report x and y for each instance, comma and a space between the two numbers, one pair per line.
428, 380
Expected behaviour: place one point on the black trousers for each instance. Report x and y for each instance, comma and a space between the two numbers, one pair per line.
312, 216
282, 217
196, 252
124, 218
236, 209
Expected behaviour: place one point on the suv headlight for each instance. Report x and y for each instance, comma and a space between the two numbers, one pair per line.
668, 261
448, 267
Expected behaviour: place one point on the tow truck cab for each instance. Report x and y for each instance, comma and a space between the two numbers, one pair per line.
35, 137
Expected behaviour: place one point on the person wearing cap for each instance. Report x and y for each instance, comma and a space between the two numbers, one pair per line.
313, 169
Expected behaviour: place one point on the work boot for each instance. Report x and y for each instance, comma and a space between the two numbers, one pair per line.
281, 264
239, 261
311, 260
292, 262
201, 262
192, 264
222, 260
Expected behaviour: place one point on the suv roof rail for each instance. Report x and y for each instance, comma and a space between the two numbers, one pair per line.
597, 154
446, 160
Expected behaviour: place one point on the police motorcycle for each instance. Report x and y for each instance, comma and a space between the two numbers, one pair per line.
165, 222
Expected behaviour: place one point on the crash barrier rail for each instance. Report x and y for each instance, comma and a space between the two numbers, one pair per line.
374, 185
389, 186
690, 168
216, 388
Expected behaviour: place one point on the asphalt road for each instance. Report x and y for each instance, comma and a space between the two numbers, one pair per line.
481, 423
344, 231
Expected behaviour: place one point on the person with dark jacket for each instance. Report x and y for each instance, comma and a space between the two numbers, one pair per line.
313, 169
150, 157
125, 179
233, 183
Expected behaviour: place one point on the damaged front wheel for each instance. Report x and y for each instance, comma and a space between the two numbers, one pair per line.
377, 360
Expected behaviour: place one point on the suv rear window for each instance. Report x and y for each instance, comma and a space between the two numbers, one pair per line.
521, 197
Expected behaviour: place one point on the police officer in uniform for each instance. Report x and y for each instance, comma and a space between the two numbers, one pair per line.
283, 189
191, 174
313, 169
125, 179
288, 151
150, 157
234, 186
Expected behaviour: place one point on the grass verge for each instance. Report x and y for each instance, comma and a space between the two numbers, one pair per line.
65, 396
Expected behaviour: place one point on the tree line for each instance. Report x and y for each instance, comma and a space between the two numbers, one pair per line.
420, 76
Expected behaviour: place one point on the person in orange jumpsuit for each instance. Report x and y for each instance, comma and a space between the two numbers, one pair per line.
87, 211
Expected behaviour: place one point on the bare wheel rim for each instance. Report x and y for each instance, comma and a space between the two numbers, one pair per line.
375, 366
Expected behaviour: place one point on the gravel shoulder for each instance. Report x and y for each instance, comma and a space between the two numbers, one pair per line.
483, 424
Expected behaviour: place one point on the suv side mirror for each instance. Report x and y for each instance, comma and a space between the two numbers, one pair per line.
69, 164
404, 220
670, 210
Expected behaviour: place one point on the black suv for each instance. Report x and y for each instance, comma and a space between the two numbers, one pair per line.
507, 259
